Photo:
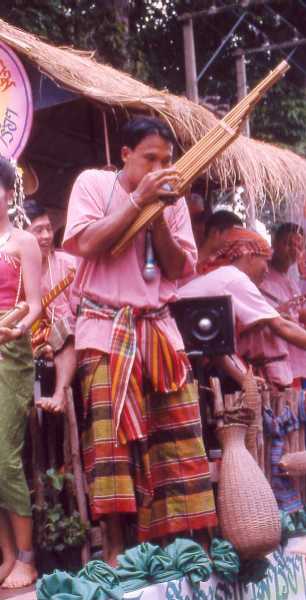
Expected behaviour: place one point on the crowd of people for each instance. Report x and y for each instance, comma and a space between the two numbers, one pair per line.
142, 444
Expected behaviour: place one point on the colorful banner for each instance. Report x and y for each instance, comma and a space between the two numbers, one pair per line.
16, 104
286, 580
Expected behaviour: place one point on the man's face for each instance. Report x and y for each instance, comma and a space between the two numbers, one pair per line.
257, 268
5, 197
41, 228
151, 154
288, 248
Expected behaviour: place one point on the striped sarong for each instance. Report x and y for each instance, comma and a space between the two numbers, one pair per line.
163, 477
138, 349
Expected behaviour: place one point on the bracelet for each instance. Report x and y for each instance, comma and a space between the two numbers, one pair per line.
134, 203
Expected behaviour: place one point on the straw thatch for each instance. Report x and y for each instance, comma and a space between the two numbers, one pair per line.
264, 169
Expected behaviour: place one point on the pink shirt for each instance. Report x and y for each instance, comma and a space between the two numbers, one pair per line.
59, 265
119, 281
249, 306
279, 288
251, 310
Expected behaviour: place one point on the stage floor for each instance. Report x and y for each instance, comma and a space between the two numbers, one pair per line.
279, 576
27, 593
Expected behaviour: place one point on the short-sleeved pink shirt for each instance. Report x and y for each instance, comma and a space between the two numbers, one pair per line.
249, 306
119, 281
251, 311
279, 288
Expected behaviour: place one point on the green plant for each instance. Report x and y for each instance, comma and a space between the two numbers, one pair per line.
54, 528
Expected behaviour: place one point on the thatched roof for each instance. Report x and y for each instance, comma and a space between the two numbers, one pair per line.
264, 168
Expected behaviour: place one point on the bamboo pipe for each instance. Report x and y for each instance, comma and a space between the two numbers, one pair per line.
200, 156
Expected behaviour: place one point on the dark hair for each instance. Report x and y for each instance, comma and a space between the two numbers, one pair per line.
222, 220
33, 209
7, 174
135, 130
286, 229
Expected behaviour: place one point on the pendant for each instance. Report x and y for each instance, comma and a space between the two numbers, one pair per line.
150, 269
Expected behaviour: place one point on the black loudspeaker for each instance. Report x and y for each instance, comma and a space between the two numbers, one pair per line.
206, 324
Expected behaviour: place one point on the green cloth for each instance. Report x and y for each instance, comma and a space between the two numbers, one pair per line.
253, 571
190, 560
16, 390
62, 586
288, 526
145, 565
99, 572
225, 559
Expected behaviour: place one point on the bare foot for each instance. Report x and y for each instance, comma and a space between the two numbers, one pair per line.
112, 559
6, 567
21, 575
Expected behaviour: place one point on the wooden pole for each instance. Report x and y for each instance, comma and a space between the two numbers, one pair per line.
190, 61
77, 469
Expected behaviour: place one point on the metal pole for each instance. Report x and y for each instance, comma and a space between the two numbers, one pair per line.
224, 41
190, 61
241, 79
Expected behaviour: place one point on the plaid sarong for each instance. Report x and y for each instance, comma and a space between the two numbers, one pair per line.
138, 349
163, 477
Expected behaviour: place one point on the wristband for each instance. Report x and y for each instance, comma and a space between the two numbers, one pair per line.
134, 203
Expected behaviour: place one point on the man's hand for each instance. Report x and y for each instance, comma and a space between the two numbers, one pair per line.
55, 404
151, 188
8, 335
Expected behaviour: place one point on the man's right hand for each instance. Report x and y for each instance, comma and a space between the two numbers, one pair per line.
151, 188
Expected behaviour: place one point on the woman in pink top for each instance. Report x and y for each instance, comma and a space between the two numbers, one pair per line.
142, 442
20, 266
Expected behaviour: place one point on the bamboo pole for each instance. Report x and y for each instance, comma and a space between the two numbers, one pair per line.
77, 470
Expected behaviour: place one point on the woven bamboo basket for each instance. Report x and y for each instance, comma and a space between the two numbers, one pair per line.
253, 401
247, 508
294, 464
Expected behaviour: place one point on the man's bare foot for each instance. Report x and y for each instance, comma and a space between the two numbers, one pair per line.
6, 567
21, 575
112, 558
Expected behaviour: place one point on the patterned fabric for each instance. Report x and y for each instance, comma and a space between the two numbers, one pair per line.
164, 477
287, 496
238, 243
138, 349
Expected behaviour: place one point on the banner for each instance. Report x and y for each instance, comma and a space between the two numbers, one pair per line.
286, 580
16, 104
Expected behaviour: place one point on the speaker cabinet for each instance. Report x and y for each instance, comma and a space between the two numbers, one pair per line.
206, 324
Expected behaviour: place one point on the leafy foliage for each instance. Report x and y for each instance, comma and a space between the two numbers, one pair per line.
145, 38
54, 528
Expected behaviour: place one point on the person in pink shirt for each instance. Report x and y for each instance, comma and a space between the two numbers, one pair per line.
142, 441
55, 337
240, 267
279, 287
